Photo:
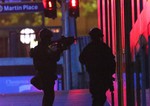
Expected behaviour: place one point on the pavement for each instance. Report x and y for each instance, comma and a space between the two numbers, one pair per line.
78, 97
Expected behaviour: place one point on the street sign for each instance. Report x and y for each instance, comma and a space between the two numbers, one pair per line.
21, 7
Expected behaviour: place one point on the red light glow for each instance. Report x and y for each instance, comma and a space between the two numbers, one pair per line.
50, 4
44, 3
73, 3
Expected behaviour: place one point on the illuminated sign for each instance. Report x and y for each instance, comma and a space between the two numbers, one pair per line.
19, 84
21, 7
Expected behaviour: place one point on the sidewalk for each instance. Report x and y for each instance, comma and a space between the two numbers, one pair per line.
80, 97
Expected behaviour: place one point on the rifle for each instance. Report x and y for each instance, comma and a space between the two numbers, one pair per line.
63, 43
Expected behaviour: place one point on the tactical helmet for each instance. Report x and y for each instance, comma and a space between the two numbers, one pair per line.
45, 34
96, 33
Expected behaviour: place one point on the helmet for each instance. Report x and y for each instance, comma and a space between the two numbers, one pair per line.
96, 33
45, 34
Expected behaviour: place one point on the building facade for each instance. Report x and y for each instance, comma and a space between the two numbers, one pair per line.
125, 24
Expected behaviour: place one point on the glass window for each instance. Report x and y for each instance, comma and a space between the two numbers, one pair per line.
135, 10
141, 5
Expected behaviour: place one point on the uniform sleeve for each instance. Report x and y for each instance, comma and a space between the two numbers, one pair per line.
31, 52
82, 56
81, 59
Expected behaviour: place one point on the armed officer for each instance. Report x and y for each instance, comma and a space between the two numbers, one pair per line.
45, 62
99, 62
